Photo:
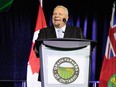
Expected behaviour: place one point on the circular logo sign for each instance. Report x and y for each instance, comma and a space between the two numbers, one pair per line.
112, 81
65, 70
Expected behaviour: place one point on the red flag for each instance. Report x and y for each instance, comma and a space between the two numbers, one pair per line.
34, 63
108, 71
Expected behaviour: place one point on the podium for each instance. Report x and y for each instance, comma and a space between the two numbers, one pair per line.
65, 62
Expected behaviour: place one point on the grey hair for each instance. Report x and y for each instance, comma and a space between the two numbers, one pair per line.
61, 6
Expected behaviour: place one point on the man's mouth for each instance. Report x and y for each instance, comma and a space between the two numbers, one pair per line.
56, 19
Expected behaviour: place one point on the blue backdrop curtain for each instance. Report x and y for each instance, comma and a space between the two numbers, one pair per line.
17, 26
16, 32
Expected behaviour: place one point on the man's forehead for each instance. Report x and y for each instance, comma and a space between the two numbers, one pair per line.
59, 8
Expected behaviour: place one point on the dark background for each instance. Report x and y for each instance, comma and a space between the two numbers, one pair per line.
17, 26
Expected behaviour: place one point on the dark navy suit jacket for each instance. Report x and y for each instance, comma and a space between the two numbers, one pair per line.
70, 32
49, 32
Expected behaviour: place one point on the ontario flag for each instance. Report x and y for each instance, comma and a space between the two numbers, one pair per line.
33, 66
108, 71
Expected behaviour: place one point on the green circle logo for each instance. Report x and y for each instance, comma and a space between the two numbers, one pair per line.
65, 70
112, 81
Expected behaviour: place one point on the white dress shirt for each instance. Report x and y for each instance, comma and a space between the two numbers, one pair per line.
61, 31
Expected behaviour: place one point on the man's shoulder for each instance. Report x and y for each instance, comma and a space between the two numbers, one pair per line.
74, 27
46, 28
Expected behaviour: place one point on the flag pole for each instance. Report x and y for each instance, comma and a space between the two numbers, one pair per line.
41, 2
112, 17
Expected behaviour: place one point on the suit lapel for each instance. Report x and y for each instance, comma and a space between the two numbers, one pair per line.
52, 32
67, 32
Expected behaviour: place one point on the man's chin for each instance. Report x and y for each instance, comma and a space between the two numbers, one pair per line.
57, 25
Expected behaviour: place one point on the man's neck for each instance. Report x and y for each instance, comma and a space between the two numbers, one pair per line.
59, 26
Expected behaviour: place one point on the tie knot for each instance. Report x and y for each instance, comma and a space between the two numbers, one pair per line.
59, 30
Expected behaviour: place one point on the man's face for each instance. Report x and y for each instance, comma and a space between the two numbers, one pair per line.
57, 17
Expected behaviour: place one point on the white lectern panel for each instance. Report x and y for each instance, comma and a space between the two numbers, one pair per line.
71, 65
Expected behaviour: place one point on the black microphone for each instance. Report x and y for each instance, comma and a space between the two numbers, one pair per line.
64, 20
63, 31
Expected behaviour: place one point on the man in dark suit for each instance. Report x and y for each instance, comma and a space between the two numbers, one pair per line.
59, 19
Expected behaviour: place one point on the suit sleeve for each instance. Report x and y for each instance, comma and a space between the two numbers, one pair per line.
41, 35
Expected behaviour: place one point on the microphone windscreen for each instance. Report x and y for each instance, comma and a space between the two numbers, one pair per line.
64, 20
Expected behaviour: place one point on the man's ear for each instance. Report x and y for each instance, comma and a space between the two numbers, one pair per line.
67, 18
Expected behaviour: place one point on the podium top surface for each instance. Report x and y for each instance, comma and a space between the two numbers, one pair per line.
67, 43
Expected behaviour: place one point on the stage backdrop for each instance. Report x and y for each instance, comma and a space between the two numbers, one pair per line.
17, 26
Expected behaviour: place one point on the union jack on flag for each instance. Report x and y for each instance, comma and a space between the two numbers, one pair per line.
108, 71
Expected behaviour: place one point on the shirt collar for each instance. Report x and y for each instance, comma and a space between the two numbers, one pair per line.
63, 28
